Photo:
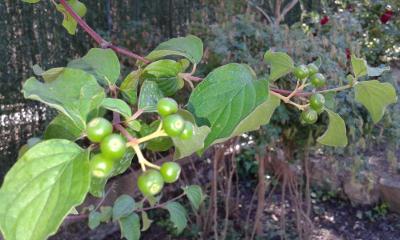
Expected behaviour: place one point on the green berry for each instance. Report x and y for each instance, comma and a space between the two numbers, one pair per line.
187, 132
301, 72
318, 80
101, 166
312, 69
113, 146
170, 171
309, 116
173, 125
167, 106
317, 102
150, 182
98, 128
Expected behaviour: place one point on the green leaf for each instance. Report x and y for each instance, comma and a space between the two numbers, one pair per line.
42, 188
74, 93
225, 98
376, 71
195, 195
359, 66
130, 227
260, 116
123, 206
94, 219
281, 64
146, 222
129, 87
69, 23
49, 75
330, 101
165, 74
135, 125
177, 215
150, 93
121, 165
117, 105
184, 148
335, 135
74, 211
190, 47
31, 1
97, 185
375, 96
101, 63
62, 127
159, 144
106, 213
318, 62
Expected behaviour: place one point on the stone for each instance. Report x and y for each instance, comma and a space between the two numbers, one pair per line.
389, 187
362, 192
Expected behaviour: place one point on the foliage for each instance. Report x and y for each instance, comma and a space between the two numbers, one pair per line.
54, 176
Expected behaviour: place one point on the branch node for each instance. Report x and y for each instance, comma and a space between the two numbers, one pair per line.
105, 44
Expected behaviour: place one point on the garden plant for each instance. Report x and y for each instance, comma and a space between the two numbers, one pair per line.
106, 122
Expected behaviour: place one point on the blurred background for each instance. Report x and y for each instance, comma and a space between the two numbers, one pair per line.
309, 191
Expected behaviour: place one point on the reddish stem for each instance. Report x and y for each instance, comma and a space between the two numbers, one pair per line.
124, 132
104, 44
288, 92
99, 40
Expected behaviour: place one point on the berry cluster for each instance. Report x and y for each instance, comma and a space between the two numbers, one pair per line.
112, 147
317, 100
151, 182
174, 124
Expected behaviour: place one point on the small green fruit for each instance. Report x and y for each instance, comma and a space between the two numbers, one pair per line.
167, 106
301, 72
170, 171
98, 128
150, 182
173, 125
113, 146
187, 132
101, 166
309, 116
317, 102
312, 69
318, 80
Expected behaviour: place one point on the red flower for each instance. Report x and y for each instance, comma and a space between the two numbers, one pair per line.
350, 7
348, 53
386, 16
324, 20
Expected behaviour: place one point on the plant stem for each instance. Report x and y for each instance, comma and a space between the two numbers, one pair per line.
286, 100
97, 38
158, 133
161, 204
142, 160
337, 89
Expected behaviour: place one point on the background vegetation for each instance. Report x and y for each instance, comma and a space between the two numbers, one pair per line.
236, 31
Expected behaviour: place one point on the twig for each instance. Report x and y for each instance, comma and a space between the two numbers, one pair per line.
229, 189
257, 228
285, 10
161, 205
97, 38
124, 132
261, 11
104, 197
286, 100
278, 4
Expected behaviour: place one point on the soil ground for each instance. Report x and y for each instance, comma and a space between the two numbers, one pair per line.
333, 219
